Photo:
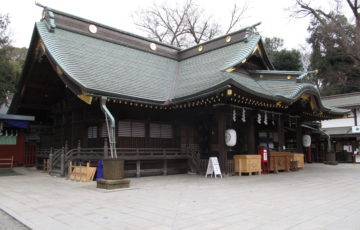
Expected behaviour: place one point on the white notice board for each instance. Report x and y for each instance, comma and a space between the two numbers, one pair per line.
213, 167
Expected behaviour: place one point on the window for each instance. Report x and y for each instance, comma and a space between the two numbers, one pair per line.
92, 132
161, 130
131, 129
137, 129
166, 131
155, 130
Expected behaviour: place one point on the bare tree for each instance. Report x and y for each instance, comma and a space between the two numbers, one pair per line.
184, 25
4, 30
305, 56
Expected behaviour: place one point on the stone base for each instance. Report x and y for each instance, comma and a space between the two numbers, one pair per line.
112, 184
331, 162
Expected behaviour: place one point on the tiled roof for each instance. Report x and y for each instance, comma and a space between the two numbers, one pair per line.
107, 67
103, 67
349, 100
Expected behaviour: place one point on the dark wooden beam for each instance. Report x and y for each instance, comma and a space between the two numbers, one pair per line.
251, 137
222, 149
281, 133
43, 86
355, 117
299, 147
34, 106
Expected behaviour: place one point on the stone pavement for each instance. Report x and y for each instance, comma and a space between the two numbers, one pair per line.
7, 222
318, 197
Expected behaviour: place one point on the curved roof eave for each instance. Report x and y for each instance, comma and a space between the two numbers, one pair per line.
312, 90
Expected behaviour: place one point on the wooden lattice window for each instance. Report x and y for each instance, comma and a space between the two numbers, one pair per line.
92, 132
161, 130
137, 129
131, 129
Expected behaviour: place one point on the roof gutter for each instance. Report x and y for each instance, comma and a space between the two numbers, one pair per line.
110, 125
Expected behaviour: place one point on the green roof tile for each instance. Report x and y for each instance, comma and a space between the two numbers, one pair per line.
101, 66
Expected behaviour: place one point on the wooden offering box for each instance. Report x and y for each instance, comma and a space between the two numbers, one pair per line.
281, 160
299, 157
247, 164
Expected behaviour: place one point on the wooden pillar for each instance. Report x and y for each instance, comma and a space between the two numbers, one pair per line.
281, 133
51, 156
251, 138
222, 149
165, 167
66, 147
355, 117
62, 163
299, 147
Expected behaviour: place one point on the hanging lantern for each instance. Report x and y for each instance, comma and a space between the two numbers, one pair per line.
259, 118
234, 115
306, 141
265, 119
243, 118
230, 137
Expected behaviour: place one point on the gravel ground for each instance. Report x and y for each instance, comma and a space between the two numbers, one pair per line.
7, 222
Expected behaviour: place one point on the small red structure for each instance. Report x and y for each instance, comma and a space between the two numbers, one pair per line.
264, 159
12, 140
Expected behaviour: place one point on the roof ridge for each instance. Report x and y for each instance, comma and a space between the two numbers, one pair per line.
105, 26
222, 36
250, 28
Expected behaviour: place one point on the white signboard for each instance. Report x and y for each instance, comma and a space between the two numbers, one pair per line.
213, 167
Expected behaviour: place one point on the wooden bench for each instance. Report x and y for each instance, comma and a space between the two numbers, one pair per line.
7, 161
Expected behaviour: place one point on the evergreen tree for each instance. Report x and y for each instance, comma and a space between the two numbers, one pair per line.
282, 59
335, 42
11, 61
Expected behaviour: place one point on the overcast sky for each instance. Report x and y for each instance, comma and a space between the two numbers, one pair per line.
276, 20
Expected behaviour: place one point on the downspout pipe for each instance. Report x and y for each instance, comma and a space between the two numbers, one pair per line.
111, 129
321, 131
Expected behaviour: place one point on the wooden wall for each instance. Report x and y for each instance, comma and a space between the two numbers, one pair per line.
18, 150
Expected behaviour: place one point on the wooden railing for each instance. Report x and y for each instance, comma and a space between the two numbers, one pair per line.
126, 153
59, 158
7, 161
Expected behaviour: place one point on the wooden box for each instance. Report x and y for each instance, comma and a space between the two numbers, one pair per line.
299, 157
247, 164
281, 160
